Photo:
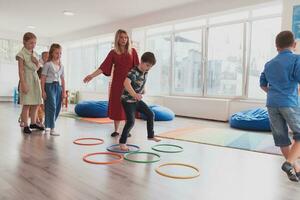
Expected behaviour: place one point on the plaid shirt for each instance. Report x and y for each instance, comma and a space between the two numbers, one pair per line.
138, 80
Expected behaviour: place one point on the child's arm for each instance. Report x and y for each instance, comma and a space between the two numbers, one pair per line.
63, 87
43, 80
89, 77
264, 88
297, 71
128, 87
23, 85
263, 82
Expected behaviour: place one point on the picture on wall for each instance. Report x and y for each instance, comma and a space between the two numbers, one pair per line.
296, 21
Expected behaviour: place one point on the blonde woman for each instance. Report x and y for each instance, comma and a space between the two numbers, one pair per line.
122, 58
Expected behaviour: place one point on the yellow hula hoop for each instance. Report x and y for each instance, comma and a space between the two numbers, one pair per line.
177, 177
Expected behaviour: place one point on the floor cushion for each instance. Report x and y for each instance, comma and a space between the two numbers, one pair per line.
92, 109
161, 113
255, 119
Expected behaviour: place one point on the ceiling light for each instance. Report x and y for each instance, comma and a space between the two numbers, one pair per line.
68, 13
31, 27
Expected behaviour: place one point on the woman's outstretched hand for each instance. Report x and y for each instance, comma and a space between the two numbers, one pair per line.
88, 78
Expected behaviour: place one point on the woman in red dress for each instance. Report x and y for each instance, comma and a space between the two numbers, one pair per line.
122, 58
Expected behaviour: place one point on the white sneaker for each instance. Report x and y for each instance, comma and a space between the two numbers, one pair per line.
53, 133
47, 130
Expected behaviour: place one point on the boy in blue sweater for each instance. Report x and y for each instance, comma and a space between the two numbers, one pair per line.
280, 79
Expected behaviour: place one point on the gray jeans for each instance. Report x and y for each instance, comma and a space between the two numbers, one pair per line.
280, 119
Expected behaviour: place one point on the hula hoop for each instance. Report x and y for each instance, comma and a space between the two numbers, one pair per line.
110, 148
155, 148
142, 161
178, 177
119, 158
100, 141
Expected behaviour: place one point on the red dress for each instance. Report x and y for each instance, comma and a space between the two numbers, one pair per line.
122, 64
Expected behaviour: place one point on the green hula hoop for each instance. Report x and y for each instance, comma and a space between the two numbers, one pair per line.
142, 161
155, 148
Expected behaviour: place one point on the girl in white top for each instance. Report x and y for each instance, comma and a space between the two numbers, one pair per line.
53, 87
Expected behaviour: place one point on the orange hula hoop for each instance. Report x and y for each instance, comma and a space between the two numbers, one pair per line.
77, 141
119, 158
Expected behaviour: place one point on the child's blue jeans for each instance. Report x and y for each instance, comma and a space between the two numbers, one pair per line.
52, 103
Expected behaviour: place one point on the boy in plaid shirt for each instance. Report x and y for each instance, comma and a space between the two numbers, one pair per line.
132, 98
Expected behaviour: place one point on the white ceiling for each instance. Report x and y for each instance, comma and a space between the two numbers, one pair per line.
47, 15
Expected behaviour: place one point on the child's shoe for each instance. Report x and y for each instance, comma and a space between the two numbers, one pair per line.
47, 130
27, 130
54, 133
298, 175
35, 126
290, 171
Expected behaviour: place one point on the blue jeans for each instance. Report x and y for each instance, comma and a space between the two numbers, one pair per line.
280, 119
52, 103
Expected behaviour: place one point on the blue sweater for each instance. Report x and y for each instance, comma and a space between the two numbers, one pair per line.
282, 75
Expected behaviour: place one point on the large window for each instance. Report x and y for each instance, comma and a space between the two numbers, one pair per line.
213, 56
187, 70
262, 49
4, 50
81, 62
102, 83
158, 78
224, 76
84, 57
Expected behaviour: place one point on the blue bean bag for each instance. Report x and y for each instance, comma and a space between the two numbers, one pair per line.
254, 119
92, 109
160, 113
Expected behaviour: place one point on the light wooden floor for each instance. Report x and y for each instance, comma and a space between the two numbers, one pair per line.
39, 166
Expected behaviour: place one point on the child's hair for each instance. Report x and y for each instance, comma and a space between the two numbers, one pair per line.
285, 39
148, 57
44, 52
28, 36
52, 49
116, 43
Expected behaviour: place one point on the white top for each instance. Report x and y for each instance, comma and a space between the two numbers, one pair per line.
52, 72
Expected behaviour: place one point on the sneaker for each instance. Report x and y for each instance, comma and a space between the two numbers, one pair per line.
53, 133
27, 130
298, 175
290, 171
47, 130
35, 126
